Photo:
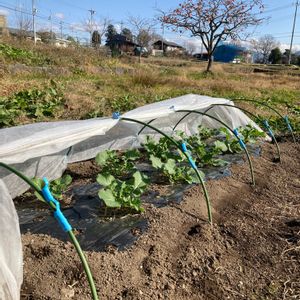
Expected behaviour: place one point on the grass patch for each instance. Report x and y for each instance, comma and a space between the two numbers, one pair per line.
96, 85
30, 104
19, 55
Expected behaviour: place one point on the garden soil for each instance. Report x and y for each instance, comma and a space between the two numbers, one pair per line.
252, 250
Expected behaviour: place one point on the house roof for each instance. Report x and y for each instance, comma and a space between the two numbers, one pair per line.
232, 47
171, 44
122, 39
62, 40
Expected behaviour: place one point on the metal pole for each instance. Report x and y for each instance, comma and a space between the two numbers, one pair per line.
61, 29
92, 12
33, 21
162, 42
51, 28
293, 32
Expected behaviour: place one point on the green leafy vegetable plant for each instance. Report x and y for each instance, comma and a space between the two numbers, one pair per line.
250, 134
118, 165
230, 144
57, 186
127, 194
173, 172
205, 153
162, 149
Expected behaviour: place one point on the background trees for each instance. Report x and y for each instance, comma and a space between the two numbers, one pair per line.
127, 32
110, 33
213, 21
275, 56
263, 47
24, 24
142, 29
96, 39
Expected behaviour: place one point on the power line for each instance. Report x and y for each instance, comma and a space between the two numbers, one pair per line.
277, 8
36, 15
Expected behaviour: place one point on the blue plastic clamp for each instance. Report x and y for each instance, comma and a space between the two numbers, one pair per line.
287, 121
268, 127
184, 148
116, 115
59, 216
191, 161
241, 142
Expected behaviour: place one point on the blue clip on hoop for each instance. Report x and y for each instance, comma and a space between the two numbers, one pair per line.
116, 115
241, 142
266, 123
287, 121
59, 216
191, 161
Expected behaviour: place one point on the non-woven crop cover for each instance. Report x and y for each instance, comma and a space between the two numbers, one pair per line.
45, 149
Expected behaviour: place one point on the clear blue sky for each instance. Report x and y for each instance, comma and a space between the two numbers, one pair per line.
76, 11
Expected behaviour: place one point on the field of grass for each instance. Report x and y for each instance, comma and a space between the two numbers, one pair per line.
84, 83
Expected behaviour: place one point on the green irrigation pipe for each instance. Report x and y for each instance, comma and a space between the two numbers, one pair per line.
271, 108
225, 125
254, 116
142, 129
207, 200
70, 233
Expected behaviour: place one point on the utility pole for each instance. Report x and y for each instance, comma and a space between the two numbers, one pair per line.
61, 29
34, 10
293, 32
163, 36
92, 12
51, 27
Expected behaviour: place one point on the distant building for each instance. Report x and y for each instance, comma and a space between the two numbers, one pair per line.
201, 56
61, 43
3, 25
122, 44
161, 47
232, 54
27, 34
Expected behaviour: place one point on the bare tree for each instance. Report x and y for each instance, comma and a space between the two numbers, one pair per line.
190, 47
263, 47
143, 30
24, 24
100, 26
213, 20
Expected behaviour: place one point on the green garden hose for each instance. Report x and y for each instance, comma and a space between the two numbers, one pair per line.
225, 125
70, 232
207, 200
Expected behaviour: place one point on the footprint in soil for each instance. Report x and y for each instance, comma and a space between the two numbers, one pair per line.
40, 252
195, 230
291, 232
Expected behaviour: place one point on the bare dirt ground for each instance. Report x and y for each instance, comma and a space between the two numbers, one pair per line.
252, 251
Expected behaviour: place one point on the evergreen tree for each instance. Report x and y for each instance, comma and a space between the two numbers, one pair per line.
110, 33
127, 32
96, 39
275, 56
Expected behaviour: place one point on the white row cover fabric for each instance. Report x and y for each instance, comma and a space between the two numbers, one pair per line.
45, 149
11, 265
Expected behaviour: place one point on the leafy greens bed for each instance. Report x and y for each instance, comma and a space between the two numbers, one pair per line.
122, 184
